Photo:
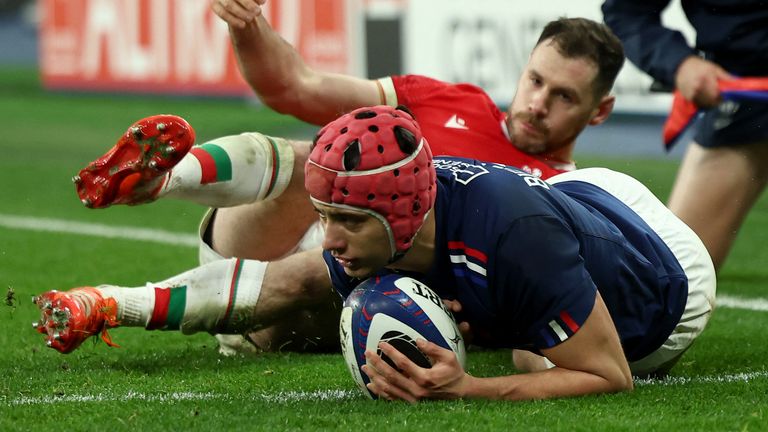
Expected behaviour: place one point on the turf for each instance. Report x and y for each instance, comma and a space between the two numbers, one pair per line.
168, 381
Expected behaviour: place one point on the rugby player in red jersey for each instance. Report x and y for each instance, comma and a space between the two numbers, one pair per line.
254, 183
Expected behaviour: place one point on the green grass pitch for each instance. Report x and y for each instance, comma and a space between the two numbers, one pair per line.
167, 381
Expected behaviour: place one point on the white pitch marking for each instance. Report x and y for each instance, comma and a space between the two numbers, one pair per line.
324, 395
101, 397
716, 379
98, 230
755, 304
281, 397
179, 239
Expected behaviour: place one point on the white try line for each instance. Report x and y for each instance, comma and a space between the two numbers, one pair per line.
97, 230
280, 397
179, 239
317, 395
743, 377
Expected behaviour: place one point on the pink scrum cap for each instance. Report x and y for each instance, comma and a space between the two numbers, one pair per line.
375, 159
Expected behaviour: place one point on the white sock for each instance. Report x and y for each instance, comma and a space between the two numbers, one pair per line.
218, 297
232, 170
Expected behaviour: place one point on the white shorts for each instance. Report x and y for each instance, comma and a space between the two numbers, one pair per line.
684, 244
313, 238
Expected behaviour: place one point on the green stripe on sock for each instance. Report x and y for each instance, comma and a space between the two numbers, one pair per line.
176, 306
222, 161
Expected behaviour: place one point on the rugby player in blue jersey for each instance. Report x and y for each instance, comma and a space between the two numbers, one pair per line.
262, 212
587, 276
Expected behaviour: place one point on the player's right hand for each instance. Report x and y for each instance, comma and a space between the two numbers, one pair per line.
237, 13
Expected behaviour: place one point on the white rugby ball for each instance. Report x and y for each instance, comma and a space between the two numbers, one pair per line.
395, 309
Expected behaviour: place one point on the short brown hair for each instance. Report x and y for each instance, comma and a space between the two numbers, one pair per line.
584, 38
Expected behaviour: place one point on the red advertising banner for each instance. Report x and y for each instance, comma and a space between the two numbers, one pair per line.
175, 46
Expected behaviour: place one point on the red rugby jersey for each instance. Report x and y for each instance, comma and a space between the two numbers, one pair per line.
462, 120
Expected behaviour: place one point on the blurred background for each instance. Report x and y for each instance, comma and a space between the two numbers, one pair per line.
18, 33
177, 47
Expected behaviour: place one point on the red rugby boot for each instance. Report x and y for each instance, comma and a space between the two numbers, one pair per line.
135, 169
70, 317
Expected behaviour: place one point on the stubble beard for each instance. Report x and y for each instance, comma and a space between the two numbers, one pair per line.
534, 145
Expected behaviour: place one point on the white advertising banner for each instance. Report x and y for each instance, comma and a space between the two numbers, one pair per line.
487, 42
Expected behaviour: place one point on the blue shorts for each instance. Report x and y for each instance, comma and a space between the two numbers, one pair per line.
733, 123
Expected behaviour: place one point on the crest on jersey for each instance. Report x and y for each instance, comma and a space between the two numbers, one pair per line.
464, 172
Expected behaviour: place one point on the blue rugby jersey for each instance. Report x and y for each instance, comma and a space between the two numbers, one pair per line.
524, 258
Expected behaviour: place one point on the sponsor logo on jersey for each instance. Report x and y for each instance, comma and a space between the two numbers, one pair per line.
456, 122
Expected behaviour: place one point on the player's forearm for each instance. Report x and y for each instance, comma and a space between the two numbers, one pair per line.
269, 64
285, 83
650, 45
552, 383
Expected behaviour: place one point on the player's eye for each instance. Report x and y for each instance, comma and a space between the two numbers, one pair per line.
350, 222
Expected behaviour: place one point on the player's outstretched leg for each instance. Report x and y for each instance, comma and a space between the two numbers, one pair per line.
69, 318
134, 170
218, 297
156, 158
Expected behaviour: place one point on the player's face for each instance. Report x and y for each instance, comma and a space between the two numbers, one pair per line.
553, 103
357, 240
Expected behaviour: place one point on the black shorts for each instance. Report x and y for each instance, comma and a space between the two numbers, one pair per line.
733, 123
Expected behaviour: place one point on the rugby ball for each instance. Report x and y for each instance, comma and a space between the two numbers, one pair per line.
395, 309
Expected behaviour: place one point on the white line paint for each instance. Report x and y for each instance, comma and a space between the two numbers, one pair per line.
179, 239
98, 230
755, 304
281, 397
744, 377
319, 395
101, 397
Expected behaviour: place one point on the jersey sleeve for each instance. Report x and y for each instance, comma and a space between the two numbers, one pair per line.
541, 282
342, 283
408, 89
650, 45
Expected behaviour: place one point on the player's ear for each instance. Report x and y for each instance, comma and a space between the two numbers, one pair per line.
603, 110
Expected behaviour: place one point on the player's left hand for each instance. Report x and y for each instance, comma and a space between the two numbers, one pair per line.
445, 380
464, 328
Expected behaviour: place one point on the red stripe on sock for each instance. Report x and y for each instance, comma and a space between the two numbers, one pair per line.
160, 312
207, 165
232, 291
